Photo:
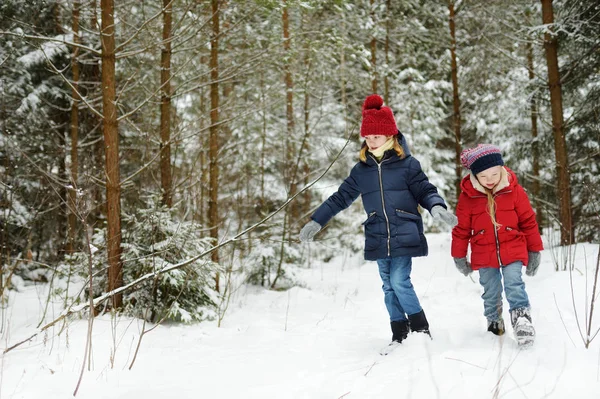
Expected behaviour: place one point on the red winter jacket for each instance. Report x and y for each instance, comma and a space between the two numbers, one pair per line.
518, 231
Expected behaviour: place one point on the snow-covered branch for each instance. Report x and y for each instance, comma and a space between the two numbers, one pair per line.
51, 39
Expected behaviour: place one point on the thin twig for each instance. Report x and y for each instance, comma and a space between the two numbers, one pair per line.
463, 361
563, 322
88, 341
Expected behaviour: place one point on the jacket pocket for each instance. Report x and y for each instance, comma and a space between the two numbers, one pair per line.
375, 234
513, 244
475, 237
407, 215
370, 218
508, 233
406, 230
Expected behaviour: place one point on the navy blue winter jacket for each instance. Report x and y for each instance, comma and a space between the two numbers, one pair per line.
391, 190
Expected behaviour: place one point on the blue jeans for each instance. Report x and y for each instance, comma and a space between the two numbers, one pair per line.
514, 288
399, 294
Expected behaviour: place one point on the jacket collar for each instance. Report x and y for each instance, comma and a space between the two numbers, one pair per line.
391, 153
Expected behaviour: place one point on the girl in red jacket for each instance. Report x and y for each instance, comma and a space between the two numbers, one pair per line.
496, 218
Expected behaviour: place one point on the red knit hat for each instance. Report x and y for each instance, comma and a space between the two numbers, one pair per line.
377, 120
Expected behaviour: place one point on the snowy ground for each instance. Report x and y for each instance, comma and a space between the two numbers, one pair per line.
322, 342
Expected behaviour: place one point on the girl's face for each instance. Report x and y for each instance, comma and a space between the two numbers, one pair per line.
375, 141
490, 177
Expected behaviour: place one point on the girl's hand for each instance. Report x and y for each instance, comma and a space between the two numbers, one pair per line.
439, 213
463, 266
533, 263
309, 230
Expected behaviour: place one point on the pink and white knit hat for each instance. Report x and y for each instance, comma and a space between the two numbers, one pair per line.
480, 158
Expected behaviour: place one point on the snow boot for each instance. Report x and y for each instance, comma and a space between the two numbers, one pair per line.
522, 326
418, 323
399, 334
496, 327
399, 330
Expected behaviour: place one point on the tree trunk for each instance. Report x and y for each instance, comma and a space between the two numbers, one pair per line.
6, 196
203, 177
72, 199
263, 143
560, 145
535, 144
165, 107
111, 147
344, 96
289, 111
455, 98
306, 198
386, 80
373, 52
91, 119
213, 200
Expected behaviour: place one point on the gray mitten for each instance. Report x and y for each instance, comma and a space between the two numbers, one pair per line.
463, 266
533, 263
438, 212
309, 230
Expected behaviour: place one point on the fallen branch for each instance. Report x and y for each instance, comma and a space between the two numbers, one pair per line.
76, 309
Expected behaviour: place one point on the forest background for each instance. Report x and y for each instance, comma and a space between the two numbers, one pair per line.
156, 155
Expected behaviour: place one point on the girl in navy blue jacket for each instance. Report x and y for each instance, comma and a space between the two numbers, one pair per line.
392, 185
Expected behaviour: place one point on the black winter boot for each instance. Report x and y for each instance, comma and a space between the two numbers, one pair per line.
496, 327
418, 323
399, 330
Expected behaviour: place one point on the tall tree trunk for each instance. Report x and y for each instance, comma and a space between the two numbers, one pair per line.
373, 51
165, 107
6, 194
72, 199
111, 147
560, 145
289, 110
213, 200
386, 80
263, 144
343, 67
455, 98
306, 198
204, 173
61, 119
535, 143
91, 119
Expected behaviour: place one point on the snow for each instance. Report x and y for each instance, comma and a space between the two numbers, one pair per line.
321, 340
48, 50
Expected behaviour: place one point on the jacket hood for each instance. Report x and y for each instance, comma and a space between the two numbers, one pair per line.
471, 186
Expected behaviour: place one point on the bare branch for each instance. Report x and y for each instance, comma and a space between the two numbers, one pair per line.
51, 39
81, 97
139, 30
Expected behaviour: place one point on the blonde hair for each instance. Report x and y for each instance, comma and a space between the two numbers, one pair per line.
365, 148
492, 208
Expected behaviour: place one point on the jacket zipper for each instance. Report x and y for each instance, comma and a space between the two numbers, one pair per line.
496, 229
497, 246
387, 221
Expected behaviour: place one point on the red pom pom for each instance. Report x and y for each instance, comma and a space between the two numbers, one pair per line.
374, 101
